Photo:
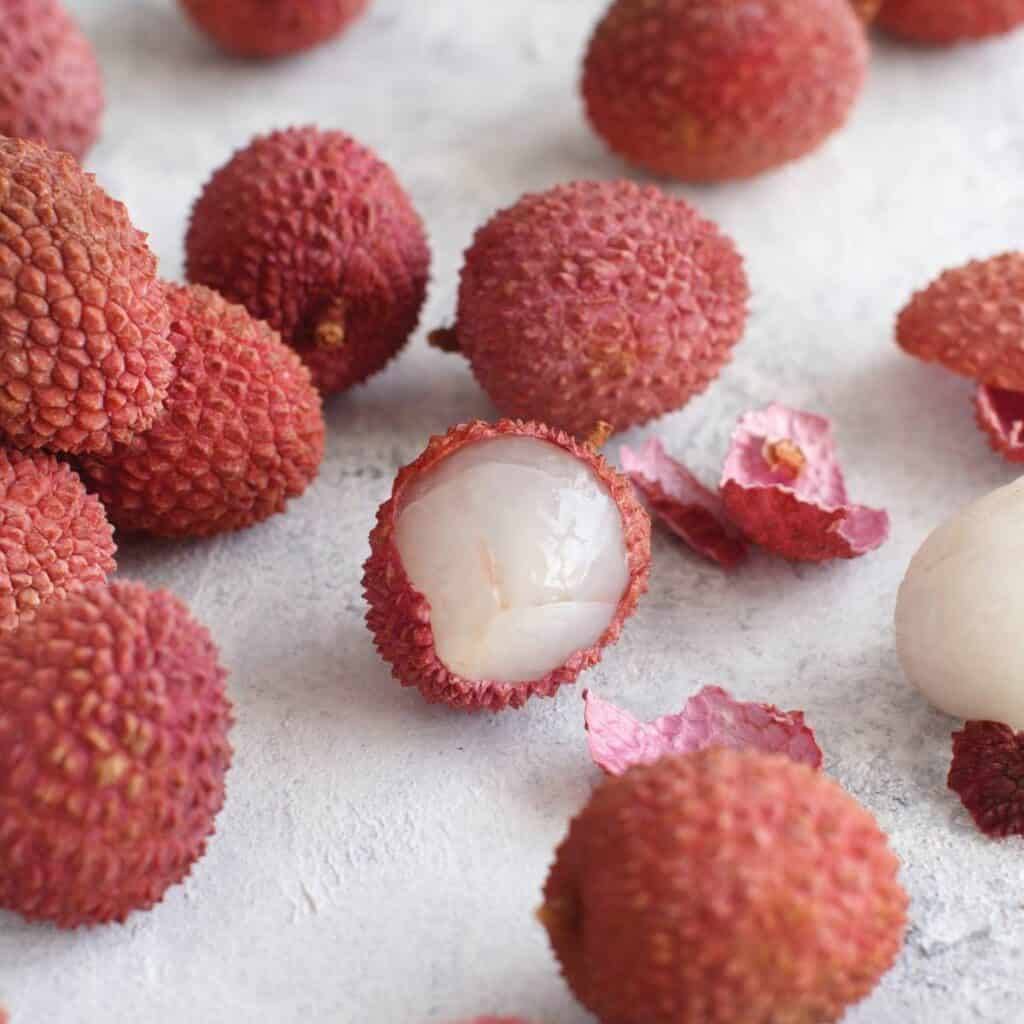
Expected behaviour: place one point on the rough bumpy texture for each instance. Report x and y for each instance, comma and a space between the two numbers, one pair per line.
707, 90
54, 537
941, 24
971, 320
84, 355
241, 433
723, 888
50, 83
987, 774
311, 232
113, 752
598, 301
272, 28
399, 616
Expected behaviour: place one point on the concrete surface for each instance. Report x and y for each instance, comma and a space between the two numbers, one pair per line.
379, 860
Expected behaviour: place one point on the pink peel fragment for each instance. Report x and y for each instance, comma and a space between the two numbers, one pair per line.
712, 718
783, 487
1000, 414
683, 503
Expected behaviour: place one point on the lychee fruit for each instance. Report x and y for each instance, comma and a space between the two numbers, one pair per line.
51, 88
311, 232
241, 432
113, 751
707, 90
54, 537
598, 301
272, 28
723, 887
506, 558
942, 24
84, 355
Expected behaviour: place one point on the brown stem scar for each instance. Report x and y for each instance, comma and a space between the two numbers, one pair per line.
785, 457
598, 437
446, 339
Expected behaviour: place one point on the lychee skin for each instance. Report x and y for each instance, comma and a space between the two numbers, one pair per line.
971, 321
398, 616
84, 355
55, 538
311, 232
943, 24
723, 887
272, 28
241, 432
51, 88
113, 752
706, 90
599, 301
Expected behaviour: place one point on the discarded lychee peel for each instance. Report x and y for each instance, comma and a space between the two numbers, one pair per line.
683, 503
987, 773
1000, 414
398, 615
783, 487
711, 718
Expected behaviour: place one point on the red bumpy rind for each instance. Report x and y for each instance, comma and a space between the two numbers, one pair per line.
272, 28
84, 355
679, 500
1000, 414
707, 91
51, 88
987, 774
399, 616
599, 301
711, 718
805, 517
113, 752
312, 232
241, 433
971, 321
942, 24
486, 1020
54, 537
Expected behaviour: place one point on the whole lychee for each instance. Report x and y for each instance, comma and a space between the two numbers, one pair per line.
50, 83
708, 90
311, 232
84, 355
723, 887
598, 301
113, 752
241, 432
272, 28
942, 24
506, 558
54, 537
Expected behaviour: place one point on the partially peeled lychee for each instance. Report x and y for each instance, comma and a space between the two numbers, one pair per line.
507, 557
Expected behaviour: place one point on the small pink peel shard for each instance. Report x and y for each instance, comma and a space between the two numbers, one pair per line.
783, 487
987, 774
1000, 414
683, 503
712, 718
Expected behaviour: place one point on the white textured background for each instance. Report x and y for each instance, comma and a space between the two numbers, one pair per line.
379, 860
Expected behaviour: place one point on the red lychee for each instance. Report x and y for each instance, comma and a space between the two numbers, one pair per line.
945, 23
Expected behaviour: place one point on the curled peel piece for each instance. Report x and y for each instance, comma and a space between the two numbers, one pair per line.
783, 487
987, 774
1000, 414
712, 718
683, 503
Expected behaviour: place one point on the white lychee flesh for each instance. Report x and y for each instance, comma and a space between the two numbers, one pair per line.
960, 612
520, 550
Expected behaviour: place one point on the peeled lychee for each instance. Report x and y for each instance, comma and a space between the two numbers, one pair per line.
272, 28
598, 301
50, 83
311, 232
84, 355
241, 432
506, 558
951, 21
708, 90
54, 537
723, 887
113, 752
